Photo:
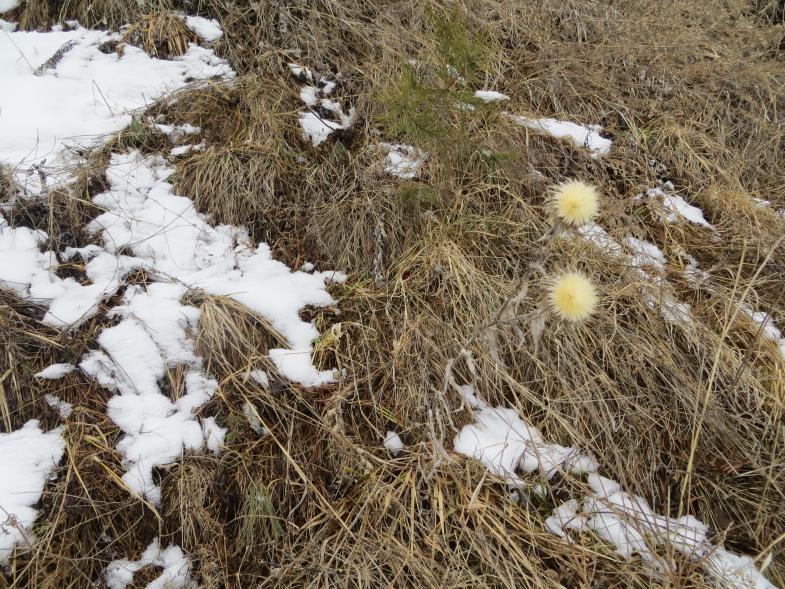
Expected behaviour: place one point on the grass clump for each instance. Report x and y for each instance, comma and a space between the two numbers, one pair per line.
161, 34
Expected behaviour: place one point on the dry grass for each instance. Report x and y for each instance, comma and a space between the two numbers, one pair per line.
161, 34
689, 91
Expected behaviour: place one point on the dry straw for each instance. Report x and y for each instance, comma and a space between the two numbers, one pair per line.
317, 500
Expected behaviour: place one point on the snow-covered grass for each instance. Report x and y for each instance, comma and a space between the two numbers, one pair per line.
176, 567
506, 444
28, 456
80, 94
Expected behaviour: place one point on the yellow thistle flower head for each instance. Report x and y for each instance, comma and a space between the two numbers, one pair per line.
575, 203
572, 297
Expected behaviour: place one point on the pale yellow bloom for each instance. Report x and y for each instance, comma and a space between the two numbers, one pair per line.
575, 203
572, 297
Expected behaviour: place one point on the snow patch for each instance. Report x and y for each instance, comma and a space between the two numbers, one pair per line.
491, 96
650, 262
176, 132
175, 243
214, 434
766, 325
393, 443
30, 274
78, 94
587, 136
207, 28
596, 235
322, 115
673, 206
506, 444
28, 456
176, 566
261, 377
632, 527
62, 407
403, 161
55, 371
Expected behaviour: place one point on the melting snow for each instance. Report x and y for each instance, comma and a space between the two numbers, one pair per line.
143, 225
507, 444
491, 96
403, 161
207, 28
581, 135
322, 115
62, 407
55, 371
393, 443
28, 457
176, 566
82, 96
674, 205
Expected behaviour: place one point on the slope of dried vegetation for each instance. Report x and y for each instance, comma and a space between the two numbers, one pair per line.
687, 415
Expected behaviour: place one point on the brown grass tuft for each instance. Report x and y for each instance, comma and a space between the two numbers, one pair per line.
161, 34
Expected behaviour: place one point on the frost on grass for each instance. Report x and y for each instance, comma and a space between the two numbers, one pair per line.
176, 566
27, 458
510, 447
588, 136
79, 96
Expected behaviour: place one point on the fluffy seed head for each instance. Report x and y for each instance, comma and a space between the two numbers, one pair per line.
575, 202
572, 297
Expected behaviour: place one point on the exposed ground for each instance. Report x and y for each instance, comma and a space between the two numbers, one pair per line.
686, 413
